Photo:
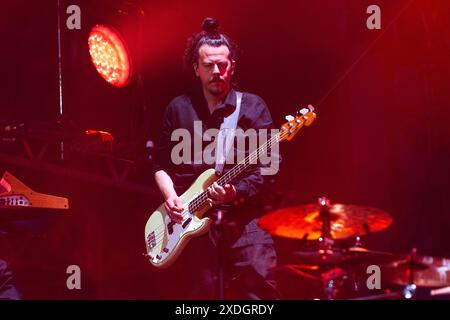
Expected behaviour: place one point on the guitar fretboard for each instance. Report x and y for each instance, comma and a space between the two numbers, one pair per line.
200, 201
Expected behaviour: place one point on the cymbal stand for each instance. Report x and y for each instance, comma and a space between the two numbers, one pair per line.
329, 274
410, 288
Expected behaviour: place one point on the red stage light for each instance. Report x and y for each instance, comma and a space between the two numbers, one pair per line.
110, 55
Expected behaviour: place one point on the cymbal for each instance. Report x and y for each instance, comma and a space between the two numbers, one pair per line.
356, 256
305, 221
423, 271
312, 272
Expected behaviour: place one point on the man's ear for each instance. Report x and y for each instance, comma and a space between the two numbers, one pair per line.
233, 65
195, 65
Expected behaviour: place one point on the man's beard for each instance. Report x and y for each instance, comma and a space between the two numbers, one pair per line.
217, 88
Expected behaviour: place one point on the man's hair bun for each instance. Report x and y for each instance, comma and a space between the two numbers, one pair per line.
210, 26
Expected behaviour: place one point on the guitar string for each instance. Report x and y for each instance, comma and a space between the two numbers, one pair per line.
199, 201
228, 176
203, 196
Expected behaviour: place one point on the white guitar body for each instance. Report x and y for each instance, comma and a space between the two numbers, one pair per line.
165, 240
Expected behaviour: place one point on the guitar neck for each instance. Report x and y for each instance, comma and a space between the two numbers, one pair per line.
305, 116
233, 173
249, 160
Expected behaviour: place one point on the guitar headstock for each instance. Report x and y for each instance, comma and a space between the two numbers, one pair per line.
304, 117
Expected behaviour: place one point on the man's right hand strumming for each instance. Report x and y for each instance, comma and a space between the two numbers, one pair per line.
173, 204
174, 208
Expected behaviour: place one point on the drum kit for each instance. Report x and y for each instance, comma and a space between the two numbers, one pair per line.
329, 268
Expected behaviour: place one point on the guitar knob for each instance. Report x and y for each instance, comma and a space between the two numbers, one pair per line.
166, 250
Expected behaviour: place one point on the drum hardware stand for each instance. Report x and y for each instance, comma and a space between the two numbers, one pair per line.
410, 289
329, 275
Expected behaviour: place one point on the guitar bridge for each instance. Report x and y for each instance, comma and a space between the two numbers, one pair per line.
151, 240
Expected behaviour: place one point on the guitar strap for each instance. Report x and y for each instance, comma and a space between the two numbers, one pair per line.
226, 135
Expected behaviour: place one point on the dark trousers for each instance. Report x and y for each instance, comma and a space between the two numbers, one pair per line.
195, 274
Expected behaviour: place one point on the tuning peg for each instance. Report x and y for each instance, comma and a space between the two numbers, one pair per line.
310, 107
304, 111
289, 118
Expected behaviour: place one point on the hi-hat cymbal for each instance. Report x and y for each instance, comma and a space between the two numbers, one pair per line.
371, 256
348, 256
306, 221
423, 271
